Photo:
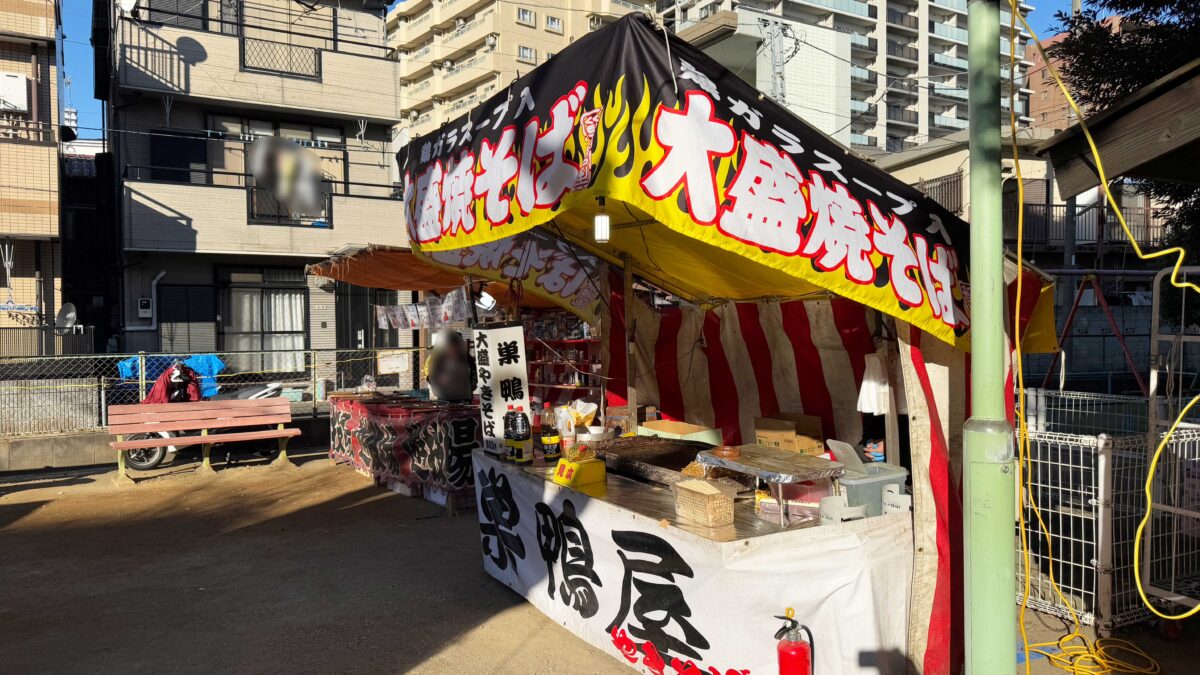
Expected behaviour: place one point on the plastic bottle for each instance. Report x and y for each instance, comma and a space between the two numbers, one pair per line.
522, 437
551, 443
508, 433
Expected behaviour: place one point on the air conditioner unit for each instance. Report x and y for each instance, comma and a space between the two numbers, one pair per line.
14, 92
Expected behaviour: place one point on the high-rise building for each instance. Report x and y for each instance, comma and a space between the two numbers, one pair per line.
455, 54
210, 259
877, 75
30, 249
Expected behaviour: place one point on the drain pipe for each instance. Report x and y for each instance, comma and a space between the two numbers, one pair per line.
153, 305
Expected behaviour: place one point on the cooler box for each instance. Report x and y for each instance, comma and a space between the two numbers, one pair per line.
866, 489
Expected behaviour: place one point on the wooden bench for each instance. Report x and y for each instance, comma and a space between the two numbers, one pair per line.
206, 417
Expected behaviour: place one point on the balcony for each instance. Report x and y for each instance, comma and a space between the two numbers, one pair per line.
1045, 226
171, 209
863, 109
947, 61
863, 42
902, 20
862, 75
896, 144
948, 31
953, 93
903, 85
467, 73
863, 141
413, 30
900, 51
947, 122
850, 8
334, 78
955, 5
469, 35
902, 115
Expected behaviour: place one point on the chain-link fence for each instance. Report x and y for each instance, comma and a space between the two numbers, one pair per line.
59, 394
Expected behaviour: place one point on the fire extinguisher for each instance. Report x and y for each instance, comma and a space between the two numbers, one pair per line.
796, 657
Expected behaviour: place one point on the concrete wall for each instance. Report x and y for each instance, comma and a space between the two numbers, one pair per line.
34, 18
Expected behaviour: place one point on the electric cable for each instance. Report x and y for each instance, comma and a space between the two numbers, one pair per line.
1104, 654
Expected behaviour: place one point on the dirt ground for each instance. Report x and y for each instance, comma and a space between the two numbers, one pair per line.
309, 569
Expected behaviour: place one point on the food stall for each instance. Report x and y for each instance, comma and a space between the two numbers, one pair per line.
794, 270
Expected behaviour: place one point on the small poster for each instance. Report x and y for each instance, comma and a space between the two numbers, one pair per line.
397, 318
413, 316
394, 361
381, 317
423, 316
503, 379
454, 307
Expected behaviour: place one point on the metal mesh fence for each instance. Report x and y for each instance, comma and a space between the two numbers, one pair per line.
1088, 459
1173, 555
46, 395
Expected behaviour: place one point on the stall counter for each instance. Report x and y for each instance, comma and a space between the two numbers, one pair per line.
614, 565
407, 445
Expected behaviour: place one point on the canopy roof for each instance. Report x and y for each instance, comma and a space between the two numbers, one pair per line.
713, 190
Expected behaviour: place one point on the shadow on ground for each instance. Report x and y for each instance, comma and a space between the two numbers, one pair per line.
255, 569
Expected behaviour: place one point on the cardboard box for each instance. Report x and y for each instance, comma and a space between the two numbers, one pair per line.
680, 430
791, 431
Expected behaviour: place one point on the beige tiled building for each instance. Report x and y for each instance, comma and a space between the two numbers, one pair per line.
212, 261
29, 192
455, 53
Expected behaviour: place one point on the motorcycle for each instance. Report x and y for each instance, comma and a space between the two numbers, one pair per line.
144, 459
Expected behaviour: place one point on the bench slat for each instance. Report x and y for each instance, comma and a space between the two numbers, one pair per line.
185, 441
190, 414
193, 425
197, 405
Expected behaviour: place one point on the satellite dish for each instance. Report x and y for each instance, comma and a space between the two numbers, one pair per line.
127, 6
490, 41
65, 321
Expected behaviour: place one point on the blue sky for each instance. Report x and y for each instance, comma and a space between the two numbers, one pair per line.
77, 51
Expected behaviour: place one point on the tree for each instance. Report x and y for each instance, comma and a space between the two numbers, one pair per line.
1103, 65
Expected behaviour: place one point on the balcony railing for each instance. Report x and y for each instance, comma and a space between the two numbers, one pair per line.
280, 57
898, 114
859, 41
1046, 225
895, 144
946, 122
901, 19
863, 140
956, 93
946, 190
19, 129
863, 75
948, 61
948, 31
848, 6
904, 84
902, 51
862, 108
959, 5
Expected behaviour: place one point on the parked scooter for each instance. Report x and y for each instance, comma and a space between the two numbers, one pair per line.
148, 458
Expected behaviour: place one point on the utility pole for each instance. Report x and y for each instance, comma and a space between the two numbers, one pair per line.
989, 495
1070, 223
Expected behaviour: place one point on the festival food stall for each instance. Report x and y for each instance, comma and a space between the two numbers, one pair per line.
798, 273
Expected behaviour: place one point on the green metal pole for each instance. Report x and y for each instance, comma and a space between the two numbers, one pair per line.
990, 574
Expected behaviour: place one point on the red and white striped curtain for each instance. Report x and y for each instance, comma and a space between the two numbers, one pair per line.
723, 367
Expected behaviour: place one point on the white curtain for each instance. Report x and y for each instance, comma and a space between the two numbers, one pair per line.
243, 321
283, 311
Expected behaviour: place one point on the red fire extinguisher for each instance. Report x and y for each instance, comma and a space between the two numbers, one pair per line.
796, 657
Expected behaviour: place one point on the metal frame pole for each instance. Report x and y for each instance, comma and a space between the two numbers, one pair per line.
990, 490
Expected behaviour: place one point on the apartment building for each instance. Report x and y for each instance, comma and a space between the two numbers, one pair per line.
455, 53
209, 259
29, 194
878, 75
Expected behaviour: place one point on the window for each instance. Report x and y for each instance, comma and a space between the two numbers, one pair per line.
182, 13
179, 159
554, 24
263, 311
1043, 117
527, 54
526, 16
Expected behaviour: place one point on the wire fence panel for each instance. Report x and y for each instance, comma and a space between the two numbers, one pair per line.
63, 394
1173, 551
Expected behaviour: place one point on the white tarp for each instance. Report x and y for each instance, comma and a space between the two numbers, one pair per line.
658, 597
